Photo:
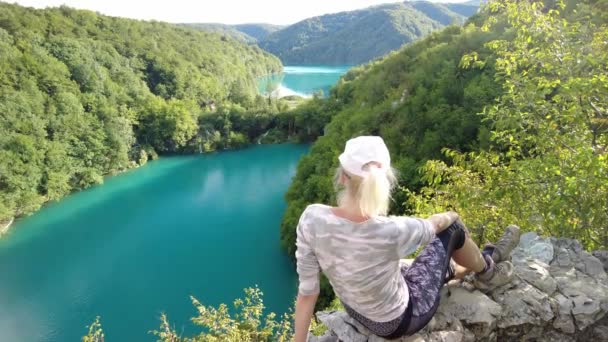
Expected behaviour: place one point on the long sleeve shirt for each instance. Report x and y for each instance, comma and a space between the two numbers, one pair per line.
361, 260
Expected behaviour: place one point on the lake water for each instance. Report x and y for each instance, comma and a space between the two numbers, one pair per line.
146, 240
302, 80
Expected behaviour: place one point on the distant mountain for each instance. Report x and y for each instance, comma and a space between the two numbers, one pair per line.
439, 12
248, 33
466, 9
228, 30
258, 31
357, 37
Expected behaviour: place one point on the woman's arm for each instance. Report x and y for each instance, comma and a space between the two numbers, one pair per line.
305, 306
443, 220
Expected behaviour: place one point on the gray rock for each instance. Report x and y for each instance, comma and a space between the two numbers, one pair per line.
524, 305
590, 265
446, 336
588, 298
560, 293
563, 259
554, 336
343, 326
603, 257
474, 309
563, 320
536, 273
531, 246
328, 337
601, 333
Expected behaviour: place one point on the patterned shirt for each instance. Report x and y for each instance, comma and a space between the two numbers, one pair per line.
361, 260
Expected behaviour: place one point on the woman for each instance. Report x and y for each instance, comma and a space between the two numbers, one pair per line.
359, 249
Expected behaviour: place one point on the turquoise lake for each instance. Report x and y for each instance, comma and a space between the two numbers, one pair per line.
146, 240
303, 80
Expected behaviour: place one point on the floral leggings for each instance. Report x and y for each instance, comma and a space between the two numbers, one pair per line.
424, 279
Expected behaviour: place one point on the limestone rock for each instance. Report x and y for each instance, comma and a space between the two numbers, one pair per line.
588, 298
564, 322
603, 257
537, 274
446, 336
343, 326
533, 247
560, 293
328, 337
524, 305
474, 309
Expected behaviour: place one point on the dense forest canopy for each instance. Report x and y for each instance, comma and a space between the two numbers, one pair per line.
535, 155
349, 38
357, 37
225, 30
248, 33
504, 119
84, 95
258, 31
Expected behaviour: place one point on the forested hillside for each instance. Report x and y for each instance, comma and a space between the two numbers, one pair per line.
534, 157
84, 95
359, 36
225, 30
258, 31
248, 33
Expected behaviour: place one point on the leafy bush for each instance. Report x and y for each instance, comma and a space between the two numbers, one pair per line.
547, 169
84, 95
247, 323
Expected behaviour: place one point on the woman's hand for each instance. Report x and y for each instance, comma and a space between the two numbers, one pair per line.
305, 306
443, 220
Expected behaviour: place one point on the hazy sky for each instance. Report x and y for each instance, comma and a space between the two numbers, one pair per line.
217, 11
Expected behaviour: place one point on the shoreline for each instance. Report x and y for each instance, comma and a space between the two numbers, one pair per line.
4, 226
281, 91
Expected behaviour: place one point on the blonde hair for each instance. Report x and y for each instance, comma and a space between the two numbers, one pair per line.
371, 194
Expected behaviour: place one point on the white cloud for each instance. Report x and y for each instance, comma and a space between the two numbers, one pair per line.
220, 11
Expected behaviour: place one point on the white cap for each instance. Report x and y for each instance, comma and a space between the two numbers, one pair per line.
363, 150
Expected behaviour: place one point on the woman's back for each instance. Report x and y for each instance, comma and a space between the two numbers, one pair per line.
361, 257
361, 260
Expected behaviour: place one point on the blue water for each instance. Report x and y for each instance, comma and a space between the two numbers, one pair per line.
303, 80
146, 240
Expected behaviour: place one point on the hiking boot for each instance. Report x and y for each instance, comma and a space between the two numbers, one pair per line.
501, 251
498, 275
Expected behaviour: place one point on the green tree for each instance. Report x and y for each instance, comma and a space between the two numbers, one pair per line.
83, 95
247, 323
547, 167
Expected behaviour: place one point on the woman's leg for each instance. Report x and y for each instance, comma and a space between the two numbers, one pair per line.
472, 259
469, 256
427, 274
425, 278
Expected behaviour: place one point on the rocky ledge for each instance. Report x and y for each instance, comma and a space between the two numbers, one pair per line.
560, 293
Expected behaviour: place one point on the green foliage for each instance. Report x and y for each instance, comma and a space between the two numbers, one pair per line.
258, 31
247, 323
247, 33
95, 333
359, 36
227, 31
547, 167
417, 99
535, 157
84, 95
